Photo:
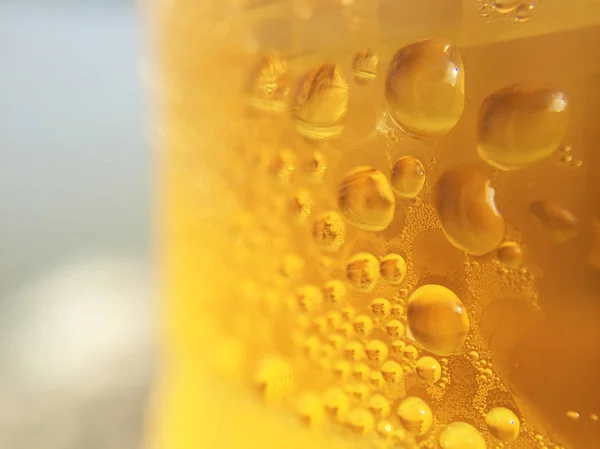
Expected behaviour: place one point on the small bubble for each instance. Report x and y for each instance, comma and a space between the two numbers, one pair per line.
428, 369
558, 222
392, 372
594, 417
300, 206
510, 254
503, 424
376, 379
566, 158
523, 13
377, 351
282, 165
329, 231
310, 410
268, 84
315, 167
379, 406
408, 177
354, 351
381, 307
361, 421
394, 328
335, 292
336, 403
393, 269
415, 415
572, 415
397, 311
363, 325
410, 352
505, 6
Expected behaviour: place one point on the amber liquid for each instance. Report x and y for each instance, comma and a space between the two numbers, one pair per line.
316, 287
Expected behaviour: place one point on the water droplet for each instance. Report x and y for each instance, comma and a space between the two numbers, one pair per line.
376, 379
572, 415
384, 429
377, 351
381, 307
335, 292
505, 6
503, 424
397, 311
268, 84
341, 369
366, 199
361, 421
424, 88
315, 167
521, 125
523, 13
392, 372
329, 231
460, 435
398, 347
310, 410
594, 417
309, 298
429, 369
282, 165
361, 371
408, 177
274, 379
510, 254
320, 103
410, 352
559, 222
438, 319
394, 328
362, 271
364, 66
354, 351
566, 158
464, 201
415, 415
393, 269
363, 325
300, 206
336, 403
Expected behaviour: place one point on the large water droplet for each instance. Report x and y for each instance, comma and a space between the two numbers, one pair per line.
438, 319
464, 201
424, 88
366, 199
521, 125
320, 103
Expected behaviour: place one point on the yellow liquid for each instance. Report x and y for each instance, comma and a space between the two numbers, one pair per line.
317, 293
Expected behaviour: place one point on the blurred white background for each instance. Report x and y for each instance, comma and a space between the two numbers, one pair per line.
76, 349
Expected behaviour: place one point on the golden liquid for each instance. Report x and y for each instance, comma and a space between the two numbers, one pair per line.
371, 237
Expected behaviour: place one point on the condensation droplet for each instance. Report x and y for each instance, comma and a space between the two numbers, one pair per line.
464, 202
438, 319
366, 199
424, 88
521, 125
408, 177
362, 271
364, 66
320, 103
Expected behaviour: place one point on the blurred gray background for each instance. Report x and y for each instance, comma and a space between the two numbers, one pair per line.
76, 323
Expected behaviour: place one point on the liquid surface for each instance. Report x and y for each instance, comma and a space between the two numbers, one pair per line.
314, 296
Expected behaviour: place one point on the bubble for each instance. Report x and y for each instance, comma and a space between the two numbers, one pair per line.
379, 406
361, 421
408, 177
310, 410
415, 415
329, 231
309, 298
320, 103
282, 165
428, 369
558, 222
274, 379
464, 202
438, 319
348, 313
521, 125
384, 429
505, 6
366, 199
393, 269
594, 417
361, 371
377, 351
363, 325
381, 307
292, 266
300, 206
358, 390
394, 328
398, 347
315, 167
397, 311
392, 372
424, 88
362, 271
503, 424
364, 66
334, 292
268, 87
510, 254
460, 435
